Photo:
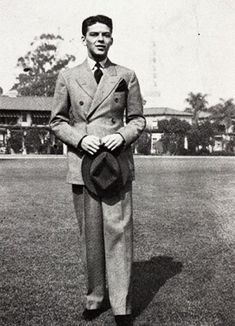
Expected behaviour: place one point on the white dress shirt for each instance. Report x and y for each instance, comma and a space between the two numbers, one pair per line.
92, 63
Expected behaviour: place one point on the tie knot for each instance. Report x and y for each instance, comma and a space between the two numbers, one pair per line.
98, 72
97, 65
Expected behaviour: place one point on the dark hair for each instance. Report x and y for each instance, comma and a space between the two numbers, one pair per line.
96, 19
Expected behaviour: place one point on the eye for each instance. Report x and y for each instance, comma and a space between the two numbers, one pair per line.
94, 34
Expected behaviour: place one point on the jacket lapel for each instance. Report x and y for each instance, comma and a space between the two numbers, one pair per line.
86, 79
107, 83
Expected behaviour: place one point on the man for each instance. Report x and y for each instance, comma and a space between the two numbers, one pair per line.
90, 103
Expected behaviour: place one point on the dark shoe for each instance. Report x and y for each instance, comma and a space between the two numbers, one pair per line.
91, 314
124, 320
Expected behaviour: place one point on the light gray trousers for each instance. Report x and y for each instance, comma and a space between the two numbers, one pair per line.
106, 230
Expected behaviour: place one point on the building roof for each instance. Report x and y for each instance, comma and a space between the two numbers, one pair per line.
149, 111
43, 103
26, 103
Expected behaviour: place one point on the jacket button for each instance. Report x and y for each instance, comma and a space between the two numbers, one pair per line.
81, 102
116, 99
113, 120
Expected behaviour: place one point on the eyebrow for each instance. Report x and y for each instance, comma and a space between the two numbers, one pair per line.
103, 33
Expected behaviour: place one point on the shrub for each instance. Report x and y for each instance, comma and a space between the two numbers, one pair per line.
143, 144
15, 141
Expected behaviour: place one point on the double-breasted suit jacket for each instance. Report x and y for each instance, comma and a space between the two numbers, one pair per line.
81, 107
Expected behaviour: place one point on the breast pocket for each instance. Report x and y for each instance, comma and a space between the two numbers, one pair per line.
119, 99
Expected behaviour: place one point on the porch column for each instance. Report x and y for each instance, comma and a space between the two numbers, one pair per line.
65, 149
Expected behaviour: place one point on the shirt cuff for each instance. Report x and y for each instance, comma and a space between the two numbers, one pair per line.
79, 144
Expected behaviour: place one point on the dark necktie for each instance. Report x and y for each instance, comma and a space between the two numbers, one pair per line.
98, 72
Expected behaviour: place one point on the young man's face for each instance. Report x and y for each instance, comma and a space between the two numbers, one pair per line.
98, 40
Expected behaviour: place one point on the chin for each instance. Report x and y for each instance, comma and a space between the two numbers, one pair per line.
100, 56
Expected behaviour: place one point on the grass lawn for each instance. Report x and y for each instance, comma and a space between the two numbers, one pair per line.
184, 235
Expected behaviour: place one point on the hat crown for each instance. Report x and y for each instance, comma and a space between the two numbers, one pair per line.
105, 170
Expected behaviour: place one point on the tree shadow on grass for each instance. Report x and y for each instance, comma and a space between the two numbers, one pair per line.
148, 277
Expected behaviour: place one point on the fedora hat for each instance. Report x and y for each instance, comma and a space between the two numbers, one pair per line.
105, 172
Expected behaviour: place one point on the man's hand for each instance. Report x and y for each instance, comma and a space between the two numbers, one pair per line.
112, 141
90, 144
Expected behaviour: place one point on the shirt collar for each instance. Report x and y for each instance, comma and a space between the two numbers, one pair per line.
92, 63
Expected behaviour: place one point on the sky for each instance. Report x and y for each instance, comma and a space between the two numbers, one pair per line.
192, 42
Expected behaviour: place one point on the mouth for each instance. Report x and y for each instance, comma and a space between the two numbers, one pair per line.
100, 47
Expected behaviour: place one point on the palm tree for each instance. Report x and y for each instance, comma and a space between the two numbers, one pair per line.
197, 104
223, 113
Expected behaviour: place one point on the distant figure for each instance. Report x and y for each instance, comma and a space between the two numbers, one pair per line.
90, 103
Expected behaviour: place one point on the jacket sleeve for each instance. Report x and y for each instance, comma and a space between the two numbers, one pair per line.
135, 120
60, 120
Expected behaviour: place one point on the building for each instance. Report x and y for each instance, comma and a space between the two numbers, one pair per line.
153, 115
19, 116
24, 113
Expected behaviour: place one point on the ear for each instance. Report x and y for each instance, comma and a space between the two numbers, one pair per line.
83, 38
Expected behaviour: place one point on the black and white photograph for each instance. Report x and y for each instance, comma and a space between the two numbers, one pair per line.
117, 163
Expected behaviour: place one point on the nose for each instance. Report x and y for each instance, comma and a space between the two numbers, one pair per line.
100, 37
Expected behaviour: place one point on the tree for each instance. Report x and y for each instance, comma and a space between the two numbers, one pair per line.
202, 135
143, 144
16, 140
173, 125
197, 104
223, 113
174, 131
41, 66
32, 141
